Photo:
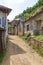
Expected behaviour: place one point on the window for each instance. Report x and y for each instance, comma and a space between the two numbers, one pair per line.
3, 21
27, 27
0, 20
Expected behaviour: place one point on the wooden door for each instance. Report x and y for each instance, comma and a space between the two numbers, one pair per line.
1, 42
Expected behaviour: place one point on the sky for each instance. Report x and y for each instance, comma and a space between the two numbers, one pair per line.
17, 6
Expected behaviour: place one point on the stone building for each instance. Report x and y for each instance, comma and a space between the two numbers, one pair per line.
35, 22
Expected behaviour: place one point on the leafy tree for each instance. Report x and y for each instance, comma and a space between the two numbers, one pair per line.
30, 10
10, 26
26, 16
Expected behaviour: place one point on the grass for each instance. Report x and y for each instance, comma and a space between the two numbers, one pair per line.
38, 37
26, 36
2, 55
37, 49
23, 37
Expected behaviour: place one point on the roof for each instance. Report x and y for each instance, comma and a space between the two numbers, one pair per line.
9, 22
17, 19
39, 11
5, 9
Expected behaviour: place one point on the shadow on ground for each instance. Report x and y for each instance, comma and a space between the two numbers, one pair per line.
16, 49
12, 50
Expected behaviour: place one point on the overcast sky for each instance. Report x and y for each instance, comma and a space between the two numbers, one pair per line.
17, 6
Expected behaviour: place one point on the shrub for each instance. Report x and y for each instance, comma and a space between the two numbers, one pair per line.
37, 49
36, 32
2, 55
27, 35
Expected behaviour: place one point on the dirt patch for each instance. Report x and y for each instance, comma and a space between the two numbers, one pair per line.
18, 53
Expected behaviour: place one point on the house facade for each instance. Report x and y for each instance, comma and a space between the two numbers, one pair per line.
18, 25
35, 23
4, 12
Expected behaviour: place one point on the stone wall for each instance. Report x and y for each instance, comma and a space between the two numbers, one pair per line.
36, 43
20, 29
33, 25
